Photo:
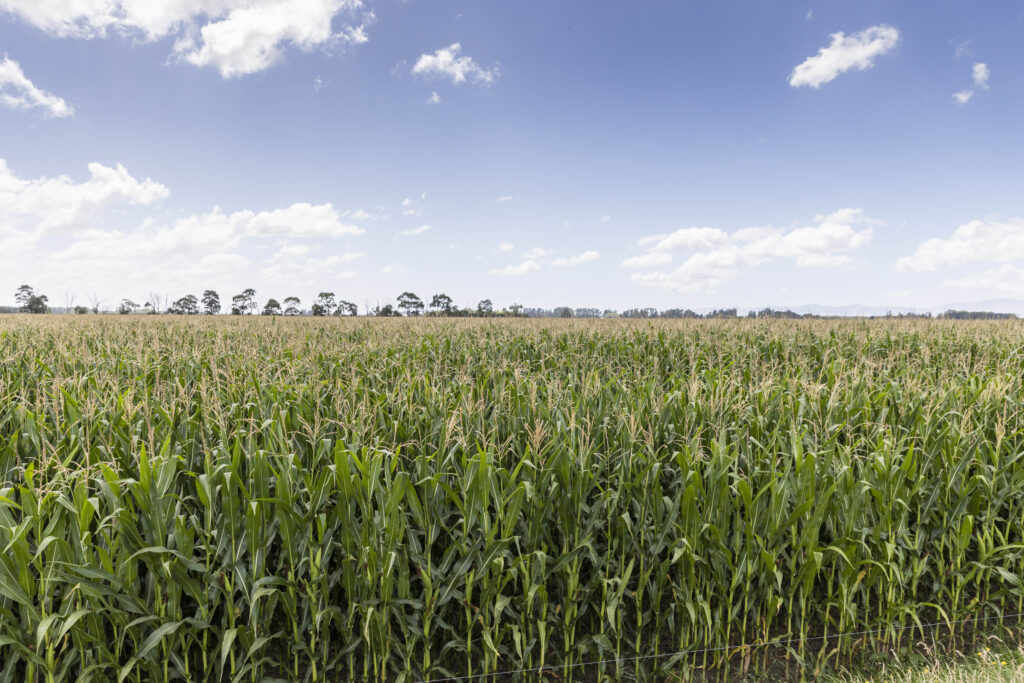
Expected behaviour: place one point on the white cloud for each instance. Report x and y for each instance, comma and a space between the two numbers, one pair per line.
318, 83
41, 205
963, 49
536, 253
288, 267
980, 73
236, 37
856, 51
414, 206
447, 63
963, 96
974, 242
606, 219
506, 246
434, 98
504, 198
18, 92
648, 260
579, 259
523, 268
392, 268
1007, 279
414, 231
716, 256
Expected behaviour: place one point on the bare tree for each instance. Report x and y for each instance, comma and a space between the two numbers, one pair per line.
96, 302
67, 298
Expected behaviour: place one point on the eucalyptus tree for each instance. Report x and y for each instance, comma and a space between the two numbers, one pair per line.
291, 305
411, 304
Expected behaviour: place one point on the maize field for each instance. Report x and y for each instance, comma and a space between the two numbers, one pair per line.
257, 499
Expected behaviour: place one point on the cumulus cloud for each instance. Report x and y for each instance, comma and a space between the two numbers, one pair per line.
293, 265
980, 73
856, 51
975, 242
446, 63
18, 92
236, 37
523, 268
716, 256
88, 234
434, 98
414, 231
578, 259
41, 205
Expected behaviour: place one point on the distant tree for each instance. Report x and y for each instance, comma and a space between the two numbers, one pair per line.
81, 310
68, 300
186, 305
244, 302
37, 304
95, 302
23, 296
211, 302
29, 301
610, 313
484, 307
157, 302
291, 305
442, 303
346, 308
563, 312
324, 304
587, 313
516, 310
411, 304
386, 311
272, 307
127, 306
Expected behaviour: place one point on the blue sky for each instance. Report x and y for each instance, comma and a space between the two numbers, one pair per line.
601, 154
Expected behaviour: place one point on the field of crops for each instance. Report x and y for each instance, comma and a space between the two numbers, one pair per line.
215, 499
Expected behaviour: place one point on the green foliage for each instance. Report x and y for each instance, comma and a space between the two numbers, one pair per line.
226, 499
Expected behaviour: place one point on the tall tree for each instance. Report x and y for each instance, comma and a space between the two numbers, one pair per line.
346, 308
485, 307
23, 296
126, 306
186, 305
291, 305
324, 304
211, 302
272, 307
386, 311
410, 303
442, 303
29, 301
516, 310
244, 303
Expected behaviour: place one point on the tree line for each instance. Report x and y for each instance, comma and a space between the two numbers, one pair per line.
411, 305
